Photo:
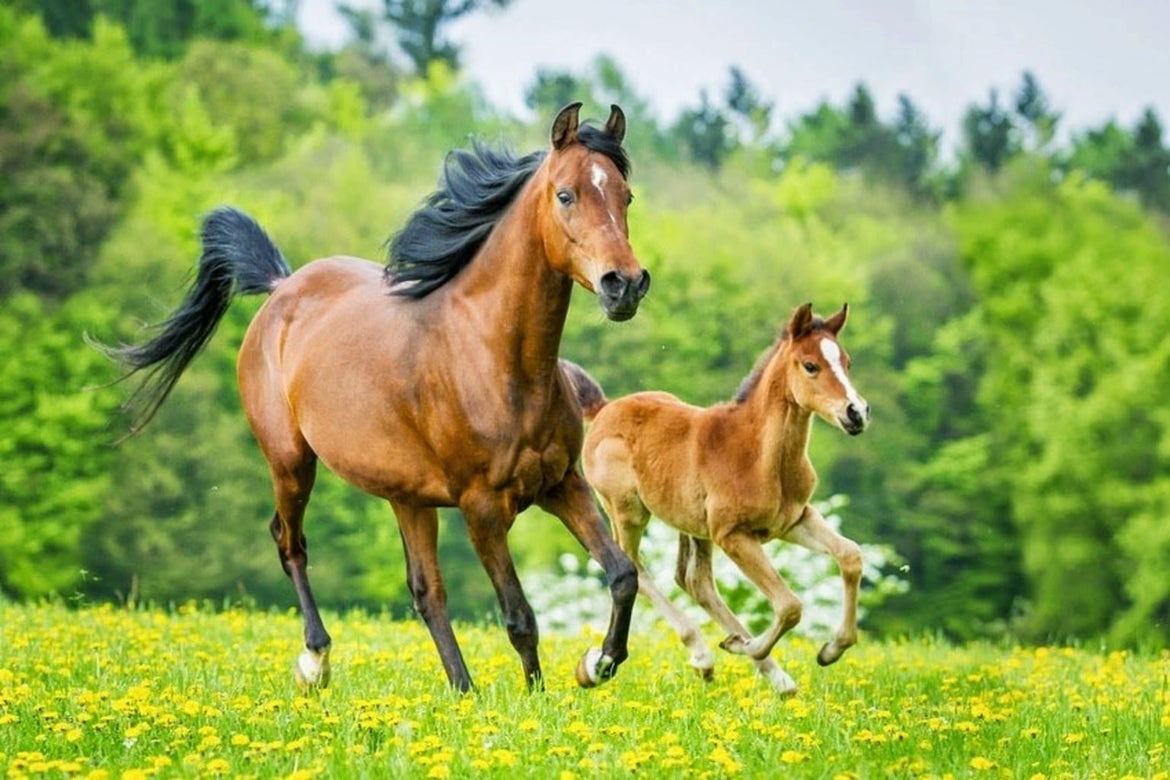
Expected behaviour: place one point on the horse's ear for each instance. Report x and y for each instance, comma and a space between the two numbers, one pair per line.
616, 124
837, 321
801, 323
564, 129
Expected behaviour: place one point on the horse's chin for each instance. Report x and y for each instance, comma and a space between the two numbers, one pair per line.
618, 311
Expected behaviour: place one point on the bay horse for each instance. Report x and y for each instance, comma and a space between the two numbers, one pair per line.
736, 474
433, 381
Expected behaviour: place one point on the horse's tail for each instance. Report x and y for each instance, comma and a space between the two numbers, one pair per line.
589, 393
238, 258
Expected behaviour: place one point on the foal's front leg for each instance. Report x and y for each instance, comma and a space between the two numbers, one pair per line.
747, 553
695, 576
816, 534
572, 503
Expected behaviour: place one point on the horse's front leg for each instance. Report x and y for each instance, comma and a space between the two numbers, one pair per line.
488, 517
816, 534
419, 528
747, 553
572, 503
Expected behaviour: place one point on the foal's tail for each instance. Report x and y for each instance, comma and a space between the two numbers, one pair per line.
238, 258
589, 392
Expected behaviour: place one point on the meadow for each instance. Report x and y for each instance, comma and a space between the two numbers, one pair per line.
105, 692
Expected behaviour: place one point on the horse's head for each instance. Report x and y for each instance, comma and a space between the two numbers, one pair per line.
818, 370
583, 218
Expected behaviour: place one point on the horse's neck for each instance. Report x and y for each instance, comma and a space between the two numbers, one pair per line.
784, 428
520, 303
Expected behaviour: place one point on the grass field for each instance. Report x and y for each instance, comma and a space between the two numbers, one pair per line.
102, 692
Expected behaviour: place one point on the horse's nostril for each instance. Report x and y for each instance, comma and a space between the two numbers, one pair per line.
643, 283
612, 284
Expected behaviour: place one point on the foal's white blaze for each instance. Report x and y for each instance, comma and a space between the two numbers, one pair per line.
832, 353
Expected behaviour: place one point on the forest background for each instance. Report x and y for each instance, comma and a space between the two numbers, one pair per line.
1008, 310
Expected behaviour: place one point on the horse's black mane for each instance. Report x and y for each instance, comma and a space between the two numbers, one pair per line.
752, 380
475, 190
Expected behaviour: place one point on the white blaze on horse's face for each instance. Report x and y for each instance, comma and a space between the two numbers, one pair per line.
851, 413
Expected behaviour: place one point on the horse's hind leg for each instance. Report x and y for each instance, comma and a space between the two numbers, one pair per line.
629, 520
695, 576
419, 528
573, 504
488, 520
814, 533
292, 485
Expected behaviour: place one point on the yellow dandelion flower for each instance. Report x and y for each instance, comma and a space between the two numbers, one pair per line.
982, 764
440, 771
793, 757
1073, 739
218, 766
240, 740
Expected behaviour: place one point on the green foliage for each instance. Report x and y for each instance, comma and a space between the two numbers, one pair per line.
56, 471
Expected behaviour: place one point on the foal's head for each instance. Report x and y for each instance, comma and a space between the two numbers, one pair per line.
583, 218
818, 370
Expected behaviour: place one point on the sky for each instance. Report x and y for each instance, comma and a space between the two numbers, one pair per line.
1095, 59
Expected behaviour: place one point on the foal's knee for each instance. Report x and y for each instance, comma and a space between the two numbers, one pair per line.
850, 561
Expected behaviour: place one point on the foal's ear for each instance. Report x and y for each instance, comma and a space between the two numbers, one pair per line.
801, 323
837, 321
616, 124
564, 129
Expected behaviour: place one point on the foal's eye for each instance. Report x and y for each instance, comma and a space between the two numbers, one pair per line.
629, 199
811, 368
565, 197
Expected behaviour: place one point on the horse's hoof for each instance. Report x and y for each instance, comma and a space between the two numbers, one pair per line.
312, 669
594, 668
785, 686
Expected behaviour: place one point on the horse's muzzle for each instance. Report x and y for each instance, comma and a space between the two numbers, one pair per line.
620, 294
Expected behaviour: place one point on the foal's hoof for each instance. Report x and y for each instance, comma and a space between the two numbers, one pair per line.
735, 644
312, 669
594, 668
830, 653
706, 673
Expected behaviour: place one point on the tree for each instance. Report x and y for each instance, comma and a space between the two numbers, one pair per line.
705, 132
417, 26
990, 137
746, 103
1032, 106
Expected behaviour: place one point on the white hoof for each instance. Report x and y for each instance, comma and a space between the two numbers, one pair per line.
594, 668
780, 680
312, 669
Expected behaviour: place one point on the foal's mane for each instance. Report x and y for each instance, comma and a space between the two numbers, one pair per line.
475, 190
752, 380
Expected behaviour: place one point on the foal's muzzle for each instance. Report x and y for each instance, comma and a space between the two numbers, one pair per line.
855, 419
620, 294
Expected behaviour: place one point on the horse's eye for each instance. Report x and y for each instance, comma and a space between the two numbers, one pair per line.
811, 368
565, 197
629, 199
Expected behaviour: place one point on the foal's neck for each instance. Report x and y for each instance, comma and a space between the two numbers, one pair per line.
783, 426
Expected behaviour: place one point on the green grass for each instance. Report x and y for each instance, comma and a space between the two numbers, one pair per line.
102, 692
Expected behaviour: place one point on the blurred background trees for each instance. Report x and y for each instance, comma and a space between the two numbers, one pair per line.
1007, 309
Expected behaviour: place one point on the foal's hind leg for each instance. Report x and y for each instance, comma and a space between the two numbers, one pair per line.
747, 553
695, 576
419, 528
814, 533
292, 485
